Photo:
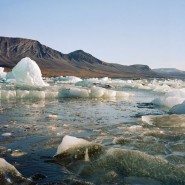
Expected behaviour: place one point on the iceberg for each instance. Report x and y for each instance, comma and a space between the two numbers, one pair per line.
2, 73
27, 72
171, 98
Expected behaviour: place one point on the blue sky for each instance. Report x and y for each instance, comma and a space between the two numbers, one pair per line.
128, 32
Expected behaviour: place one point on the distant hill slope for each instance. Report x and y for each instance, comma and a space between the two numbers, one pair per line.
55, 63
171, 72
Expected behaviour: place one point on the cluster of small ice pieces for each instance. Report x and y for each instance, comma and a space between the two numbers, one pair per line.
28, 74
25, 82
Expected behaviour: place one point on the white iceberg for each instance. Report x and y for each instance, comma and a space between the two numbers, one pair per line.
27, 72
2, 73
171, 98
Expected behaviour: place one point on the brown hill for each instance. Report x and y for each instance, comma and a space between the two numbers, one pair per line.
55, 63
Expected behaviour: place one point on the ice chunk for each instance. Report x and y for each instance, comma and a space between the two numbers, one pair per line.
77, 148
10, 76
109, 93
2, 73
51, 94
70, 142
94, 92
6, 134
74, 92
178, 109
18, 153
105, 79
68, 79
7, 94
171, 98
97, 92
22, 94
77, 92
10, 175
27, 72
146, 119
123, 94
167, 121
132, 162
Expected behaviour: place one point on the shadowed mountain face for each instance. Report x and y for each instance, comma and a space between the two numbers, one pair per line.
55, 63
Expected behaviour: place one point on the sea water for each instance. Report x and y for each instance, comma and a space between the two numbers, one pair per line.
34, 120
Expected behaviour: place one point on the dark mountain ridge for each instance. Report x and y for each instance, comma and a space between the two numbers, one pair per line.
171, 72
55, 63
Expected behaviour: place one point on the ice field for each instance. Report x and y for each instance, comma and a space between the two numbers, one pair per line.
68, 130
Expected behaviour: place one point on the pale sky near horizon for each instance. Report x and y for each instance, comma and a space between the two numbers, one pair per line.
128, 32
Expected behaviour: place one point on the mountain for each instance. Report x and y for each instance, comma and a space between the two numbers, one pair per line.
55, 63
171, 72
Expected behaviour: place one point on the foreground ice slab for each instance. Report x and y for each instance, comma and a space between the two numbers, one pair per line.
115, 161
9, 175
27, 72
